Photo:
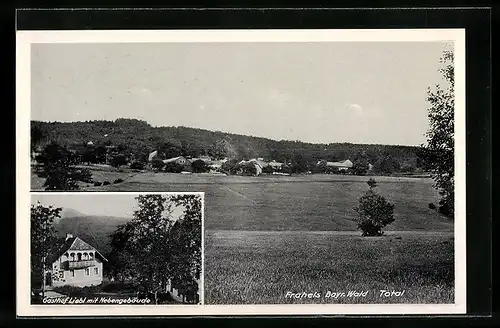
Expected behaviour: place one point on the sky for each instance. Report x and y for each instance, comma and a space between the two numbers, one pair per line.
122, 205
359, 92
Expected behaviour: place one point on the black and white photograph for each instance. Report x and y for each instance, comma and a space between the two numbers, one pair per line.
332, 163
116, 249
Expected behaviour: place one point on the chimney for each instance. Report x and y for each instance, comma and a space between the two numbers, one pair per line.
68, 236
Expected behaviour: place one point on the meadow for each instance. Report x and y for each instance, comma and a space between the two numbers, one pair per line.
255, 267
269, 235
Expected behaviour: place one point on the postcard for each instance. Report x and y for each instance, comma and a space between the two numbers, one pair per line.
241, 172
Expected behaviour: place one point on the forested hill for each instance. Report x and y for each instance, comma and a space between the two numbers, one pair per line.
139, 138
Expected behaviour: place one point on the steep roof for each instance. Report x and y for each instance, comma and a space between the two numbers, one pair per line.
75, 244
172, 159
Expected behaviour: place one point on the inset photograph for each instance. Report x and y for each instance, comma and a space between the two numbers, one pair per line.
116, 249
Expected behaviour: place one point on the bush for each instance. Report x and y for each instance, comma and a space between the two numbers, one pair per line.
200, 166
372, 183
374, 212
105, 183
432, 206
173, 168
137, 165
118, 180
157, 164
97, 184
268, 169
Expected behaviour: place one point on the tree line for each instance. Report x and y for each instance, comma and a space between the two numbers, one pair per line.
131, 141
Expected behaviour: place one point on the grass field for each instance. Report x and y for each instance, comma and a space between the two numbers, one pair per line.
254, 267
269, 235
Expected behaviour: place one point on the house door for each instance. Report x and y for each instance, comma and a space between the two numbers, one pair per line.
48, 279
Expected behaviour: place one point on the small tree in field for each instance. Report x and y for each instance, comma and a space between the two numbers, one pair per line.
374, 212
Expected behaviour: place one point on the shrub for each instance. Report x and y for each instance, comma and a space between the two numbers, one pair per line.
432, 206
200, 166
268, 169
372, 183
157, 164
118, 180
173, 168
97, 183
137, 165
105, 183
374, 212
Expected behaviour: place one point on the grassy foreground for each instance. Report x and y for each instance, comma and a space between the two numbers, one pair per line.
256, 267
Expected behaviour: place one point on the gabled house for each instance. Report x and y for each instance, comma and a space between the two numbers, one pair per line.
76, 263
276, 165
341, 166
181, 160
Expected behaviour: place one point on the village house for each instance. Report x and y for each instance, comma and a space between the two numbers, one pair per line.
76, 263
276, 165
342, 166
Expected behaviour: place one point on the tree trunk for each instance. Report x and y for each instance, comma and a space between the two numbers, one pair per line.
43, 277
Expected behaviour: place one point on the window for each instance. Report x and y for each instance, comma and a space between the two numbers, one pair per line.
87, 271
96, 271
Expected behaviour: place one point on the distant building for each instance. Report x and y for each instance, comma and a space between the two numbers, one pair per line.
152, 155
341, 166
181, 160
276, 165
76, 263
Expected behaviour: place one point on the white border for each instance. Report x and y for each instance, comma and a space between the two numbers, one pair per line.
24, 39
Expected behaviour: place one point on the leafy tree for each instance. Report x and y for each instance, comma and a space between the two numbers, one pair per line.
154, 248
36, 134
374, 212
200, 166
439, 154
59, 169
321, 167
42, 242
387, 164
88, 155
100, 154
118, 159
157, 164
299, 164
248, 169
230, 167
360, 167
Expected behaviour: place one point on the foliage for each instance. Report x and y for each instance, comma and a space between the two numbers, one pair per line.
157, 164
137, 165
153, 248
374, 212
139, 138
387, 165
42, 241
372, 183
230, 167
248, 169
268, 169
118, 181
58, 167
118, 160
439, 151
360, 167
200, 166
173, 167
